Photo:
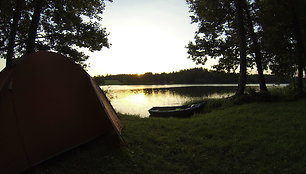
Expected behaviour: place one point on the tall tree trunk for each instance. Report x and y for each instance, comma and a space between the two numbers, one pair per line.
30, 45
12, 37
256, 48
300, 48
242, 47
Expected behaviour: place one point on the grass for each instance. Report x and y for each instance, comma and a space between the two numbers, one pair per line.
253, 138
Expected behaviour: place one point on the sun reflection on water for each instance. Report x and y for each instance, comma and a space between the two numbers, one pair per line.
138, 99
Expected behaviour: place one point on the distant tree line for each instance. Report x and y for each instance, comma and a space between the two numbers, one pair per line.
190, 76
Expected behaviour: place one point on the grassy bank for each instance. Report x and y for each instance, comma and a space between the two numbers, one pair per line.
250, 138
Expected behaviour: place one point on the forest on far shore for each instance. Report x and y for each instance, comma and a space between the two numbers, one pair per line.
189, 76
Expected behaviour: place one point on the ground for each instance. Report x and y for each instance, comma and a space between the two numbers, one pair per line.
263, 137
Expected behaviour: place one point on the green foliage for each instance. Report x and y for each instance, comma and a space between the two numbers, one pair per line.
275, 94
252, 138
279, 35
288, 93
275, 24
217, 34
6, 15
65, 26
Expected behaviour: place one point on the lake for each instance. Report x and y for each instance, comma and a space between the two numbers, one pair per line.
138, 99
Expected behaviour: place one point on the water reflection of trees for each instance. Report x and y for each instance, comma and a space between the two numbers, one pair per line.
189, 92
199, 91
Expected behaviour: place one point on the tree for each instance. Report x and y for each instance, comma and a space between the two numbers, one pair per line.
276, 32
242, 46
13, 32
299, 44
222, 35
255, 47
58, 25
217, 34
274, 29
32, 33
6, 14
284, 25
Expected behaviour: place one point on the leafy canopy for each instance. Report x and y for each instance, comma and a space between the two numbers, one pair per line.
216, 36
65, 26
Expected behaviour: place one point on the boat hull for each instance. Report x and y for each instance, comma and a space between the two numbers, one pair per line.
176, 111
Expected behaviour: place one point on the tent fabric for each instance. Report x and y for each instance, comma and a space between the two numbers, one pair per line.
48, 105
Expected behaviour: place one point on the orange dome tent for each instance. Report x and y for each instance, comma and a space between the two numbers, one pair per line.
48, 105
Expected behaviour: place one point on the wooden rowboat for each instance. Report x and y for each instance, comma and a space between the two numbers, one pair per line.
176, 111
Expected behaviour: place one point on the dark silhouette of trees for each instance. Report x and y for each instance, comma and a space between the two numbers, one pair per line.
217, 34
6, 14
242, 46
32, 33
284, 26
57, 25
268, 34
300, 48
255, 47
12, 37
223, 35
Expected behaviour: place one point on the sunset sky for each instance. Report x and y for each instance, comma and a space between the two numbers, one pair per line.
146, 36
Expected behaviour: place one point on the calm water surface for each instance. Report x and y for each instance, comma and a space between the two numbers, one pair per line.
138, 99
